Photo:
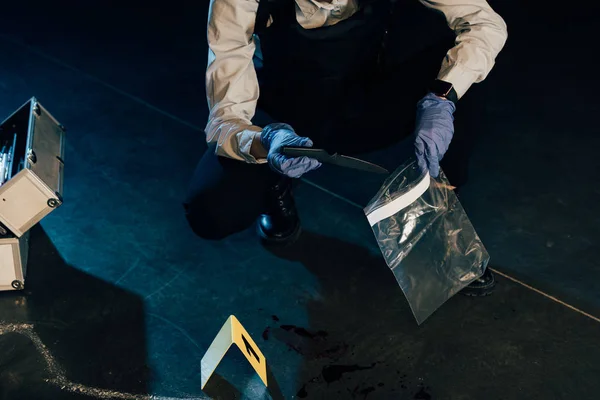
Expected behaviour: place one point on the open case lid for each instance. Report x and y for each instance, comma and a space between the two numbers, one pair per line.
33, 181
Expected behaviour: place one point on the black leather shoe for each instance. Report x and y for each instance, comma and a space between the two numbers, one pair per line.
280, 225
483, 286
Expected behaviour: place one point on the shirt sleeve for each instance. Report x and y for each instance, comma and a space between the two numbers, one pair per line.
480, 35
231, 83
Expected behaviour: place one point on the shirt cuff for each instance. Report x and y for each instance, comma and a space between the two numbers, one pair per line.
460, 77
245, 139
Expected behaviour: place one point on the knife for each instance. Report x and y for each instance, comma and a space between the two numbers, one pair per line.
323, 156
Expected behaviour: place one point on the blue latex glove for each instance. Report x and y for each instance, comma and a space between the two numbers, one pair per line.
434, 131
276, 136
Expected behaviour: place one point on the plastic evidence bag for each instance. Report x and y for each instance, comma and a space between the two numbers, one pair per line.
425, 237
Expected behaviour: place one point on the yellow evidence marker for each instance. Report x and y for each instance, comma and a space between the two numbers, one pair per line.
232, 332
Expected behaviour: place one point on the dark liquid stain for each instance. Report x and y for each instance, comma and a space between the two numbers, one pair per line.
366, 391
295, 348
265, 334
333, 351
303, 332
422, 395
275, 318
332, 373
302, 393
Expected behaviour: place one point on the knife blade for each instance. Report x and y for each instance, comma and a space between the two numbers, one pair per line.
323, 156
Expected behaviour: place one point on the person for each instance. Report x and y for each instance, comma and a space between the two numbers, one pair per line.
315, 73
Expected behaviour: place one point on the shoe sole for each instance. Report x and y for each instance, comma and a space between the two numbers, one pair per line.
281, 242
479, 292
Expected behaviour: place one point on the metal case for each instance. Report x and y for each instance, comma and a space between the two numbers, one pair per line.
13, 261
35, 190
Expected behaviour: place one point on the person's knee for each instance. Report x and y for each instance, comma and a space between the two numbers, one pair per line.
213, 207
204, 224
211, 222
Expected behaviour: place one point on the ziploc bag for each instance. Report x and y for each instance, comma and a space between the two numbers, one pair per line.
425, 237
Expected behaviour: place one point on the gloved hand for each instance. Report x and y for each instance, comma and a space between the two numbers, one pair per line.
434, 131
276, 136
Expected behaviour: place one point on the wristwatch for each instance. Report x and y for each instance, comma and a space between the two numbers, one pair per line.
444, 89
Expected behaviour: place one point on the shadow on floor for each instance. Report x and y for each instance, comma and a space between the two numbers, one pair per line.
69, 329
219, 388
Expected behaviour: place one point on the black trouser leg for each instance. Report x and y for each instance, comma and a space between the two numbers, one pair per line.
226, 196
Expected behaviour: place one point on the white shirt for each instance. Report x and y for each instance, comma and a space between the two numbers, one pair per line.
232, 85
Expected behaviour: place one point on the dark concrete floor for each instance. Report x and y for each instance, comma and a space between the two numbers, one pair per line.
126, 300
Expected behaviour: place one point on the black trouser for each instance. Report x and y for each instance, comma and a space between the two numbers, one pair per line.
226, 196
